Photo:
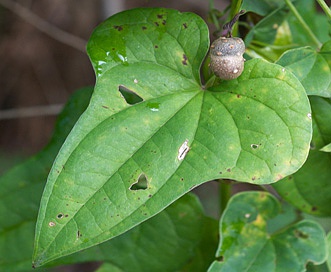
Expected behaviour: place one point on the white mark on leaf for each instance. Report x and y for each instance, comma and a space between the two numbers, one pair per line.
51, 224
309, 116
182, 151
135, 81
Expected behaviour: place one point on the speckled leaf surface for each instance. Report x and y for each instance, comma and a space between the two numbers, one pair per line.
309, 189
185, 236
124, 162
246, 244
312, 68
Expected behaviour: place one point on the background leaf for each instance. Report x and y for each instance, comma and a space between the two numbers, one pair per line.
21, 190
329, 250
312, 68
265, 31
326, 148
315, 19
246, 244
254, 129
261, 7
309, 189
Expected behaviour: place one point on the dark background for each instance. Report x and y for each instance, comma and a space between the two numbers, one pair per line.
37, 69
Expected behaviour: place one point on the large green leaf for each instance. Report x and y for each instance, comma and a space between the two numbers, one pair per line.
312, 68
184, 235
125, 161
247, 246
309, 189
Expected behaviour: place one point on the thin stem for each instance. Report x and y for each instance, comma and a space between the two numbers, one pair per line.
325, 8
303, 23
225, 194
44, 26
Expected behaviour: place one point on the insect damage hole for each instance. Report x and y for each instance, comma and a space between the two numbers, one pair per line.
130, 96
140, 184
183, 150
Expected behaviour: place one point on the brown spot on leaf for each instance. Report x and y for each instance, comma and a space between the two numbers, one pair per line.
184, 61
119, 28
185, 25
300, 234
156, 23
314, 209
144, 28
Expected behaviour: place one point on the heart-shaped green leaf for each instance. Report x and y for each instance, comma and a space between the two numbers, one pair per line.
247, 246
152, 132
309, 189
312, 68
187, 238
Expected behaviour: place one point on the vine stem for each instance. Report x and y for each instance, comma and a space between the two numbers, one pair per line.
325, 8
303, 23
225, 194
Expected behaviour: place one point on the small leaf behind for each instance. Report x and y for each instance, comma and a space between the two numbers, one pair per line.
311, 68
246, 246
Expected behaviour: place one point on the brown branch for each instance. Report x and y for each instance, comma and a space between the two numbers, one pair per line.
49, 29
31, 112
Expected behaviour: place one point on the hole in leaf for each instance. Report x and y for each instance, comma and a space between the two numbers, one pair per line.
255, 146
129, 96
60, 216
140, 184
